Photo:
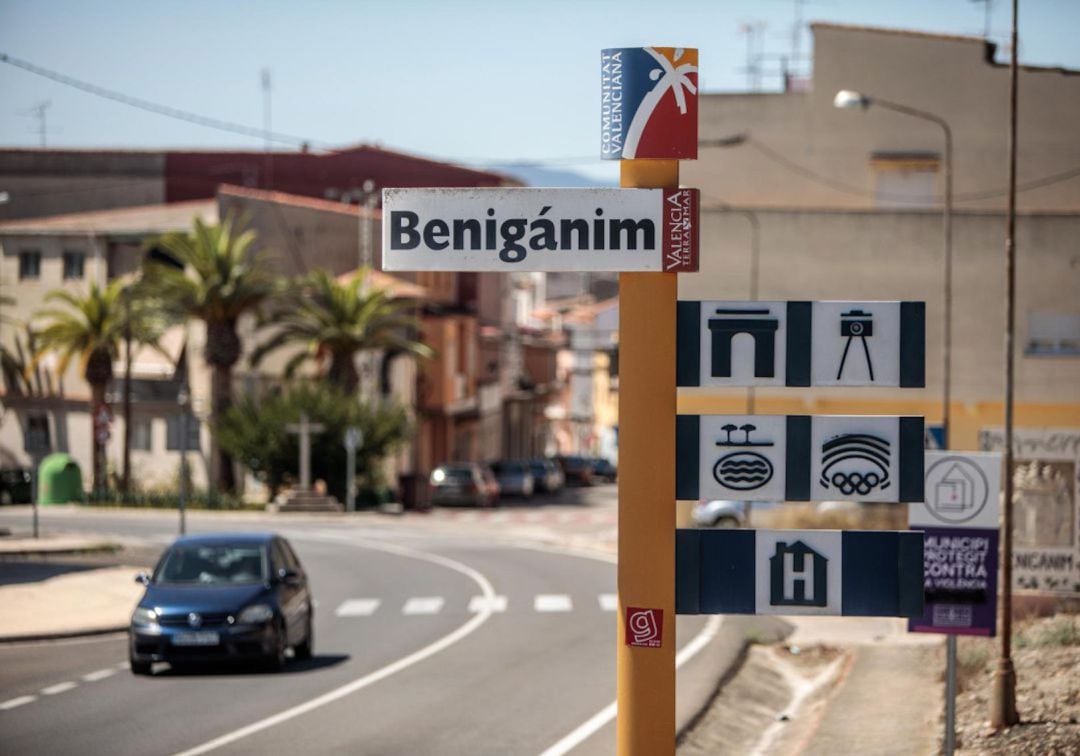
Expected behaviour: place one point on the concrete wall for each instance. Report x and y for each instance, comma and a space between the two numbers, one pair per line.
54, 182
898, 255
952, 77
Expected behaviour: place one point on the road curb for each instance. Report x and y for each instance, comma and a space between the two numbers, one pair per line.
99, 548
64, 635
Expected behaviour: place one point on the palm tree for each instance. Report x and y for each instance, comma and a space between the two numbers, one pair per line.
218, 280
335, 321
91, 328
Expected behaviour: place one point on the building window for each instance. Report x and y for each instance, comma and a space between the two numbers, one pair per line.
172, 433
29, 264
74, 265
1053, 334
140, 434
36, 438
905, 179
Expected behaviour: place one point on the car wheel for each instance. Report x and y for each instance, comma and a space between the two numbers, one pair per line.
276, 660
141, 667
726, 522
306, 649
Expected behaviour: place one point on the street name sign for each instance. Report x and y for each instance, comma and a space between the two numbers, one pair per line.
832, 572
516, 230
959, 521
722, 343
869, 458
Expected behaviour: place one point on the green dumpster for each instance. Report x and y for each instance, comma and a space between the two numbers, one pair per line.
59, 480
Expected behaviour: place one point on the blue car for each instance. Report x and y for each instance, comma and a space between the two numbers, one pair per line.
223, 597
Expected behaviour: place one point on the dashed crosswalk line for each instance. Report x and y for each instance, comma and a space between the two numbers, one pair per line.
100, 674
494, 604
363, 607
609, 602
552, 602
52, 690
423, 605
11, 703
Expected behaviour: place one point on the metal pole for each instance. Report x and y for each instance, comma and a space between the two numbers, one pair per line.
950, 694
350, 480
125, 481
947, 356
182, 400
34, 487
646, 565
1003, 704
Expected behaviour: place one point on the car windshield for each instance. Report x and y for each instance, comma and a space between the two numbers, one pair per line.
208, 564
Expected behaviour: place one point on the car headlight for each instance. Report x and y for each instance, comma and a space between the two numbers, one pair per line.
255, 614
144, 616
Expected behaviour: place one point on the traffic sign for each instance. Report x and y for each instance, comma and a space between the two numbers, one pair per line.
516, 230
832, 572
799, 457
722, 343
959, 521
648, 103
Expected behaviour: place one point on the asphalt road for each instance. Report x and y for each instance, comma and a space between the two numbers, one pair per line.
429, 668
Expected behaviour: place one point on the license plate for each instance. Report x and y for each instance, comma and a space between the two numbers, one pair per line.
201, 638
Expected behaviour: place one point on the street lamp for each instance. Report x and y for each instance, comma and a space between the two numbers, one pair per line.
847, 99
183, 399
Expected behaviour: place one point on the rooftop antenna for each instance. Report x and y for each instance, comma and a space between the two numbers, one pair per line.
988, 12
38, 112
754, 31
265, 74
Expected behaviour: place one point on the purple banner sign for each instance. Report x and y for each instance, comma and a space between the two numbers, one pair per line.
960, 567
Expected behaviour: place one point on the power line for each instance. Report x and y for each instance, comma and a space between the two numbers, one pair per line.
153, 107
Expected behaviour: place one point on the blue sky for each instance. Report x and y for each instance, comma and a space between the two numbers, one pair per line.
467, 80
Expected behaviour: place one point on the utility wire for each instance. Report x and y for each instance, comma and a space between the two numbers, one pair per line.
237, 128
153, 107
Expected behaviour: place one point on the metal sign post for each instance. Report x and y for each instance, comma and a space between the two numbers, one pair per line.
354, 439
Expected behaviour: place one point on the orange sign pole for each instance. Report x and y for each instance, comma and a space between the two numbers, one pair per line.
646, 572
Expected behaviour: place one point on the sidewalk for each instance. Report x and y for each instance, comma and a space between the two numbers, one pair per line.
79, 603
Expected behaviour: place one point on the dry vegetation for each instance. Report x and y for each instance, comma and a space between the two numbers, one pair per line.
858, 517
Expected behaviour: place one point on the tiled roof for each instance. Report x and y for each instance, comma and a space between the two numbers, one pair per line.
140, 220
398, 287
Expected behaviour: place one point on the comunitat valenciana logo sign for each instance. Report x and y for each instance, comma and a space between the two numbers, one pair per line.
648, 103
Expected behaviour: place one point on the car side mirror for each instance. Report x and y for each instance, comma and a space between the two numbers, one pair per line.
289, 577
143, 578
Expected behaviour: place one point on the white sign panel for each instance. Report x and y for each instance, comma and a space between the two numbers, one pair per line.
724, 343
963, 490
517, 230
798, 572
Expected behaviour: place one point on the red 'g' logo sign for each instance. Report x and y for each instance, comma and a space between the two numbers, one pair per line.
644, 627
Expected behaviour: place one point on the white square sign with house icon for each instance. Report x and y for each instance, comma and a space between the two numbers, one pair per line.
963, 490
798, 571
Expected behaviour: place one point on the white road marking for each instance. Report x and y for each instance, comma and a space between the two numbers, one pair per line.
485, 604
124, 665
423, 605
13, 702
609, 602
63, 687
552, 602
499, 517
100, 674
380, 674
357, 607
586, 729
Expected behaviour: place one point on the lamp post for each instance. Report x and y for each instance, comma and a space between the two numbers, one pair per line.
183, 399
846, 99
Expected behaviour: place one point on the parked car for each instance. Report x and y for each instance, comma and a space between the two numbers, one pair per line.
223, 597
16, 486
604, 470
515, 477
720, 513
577, 471
547, 475
464, 483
